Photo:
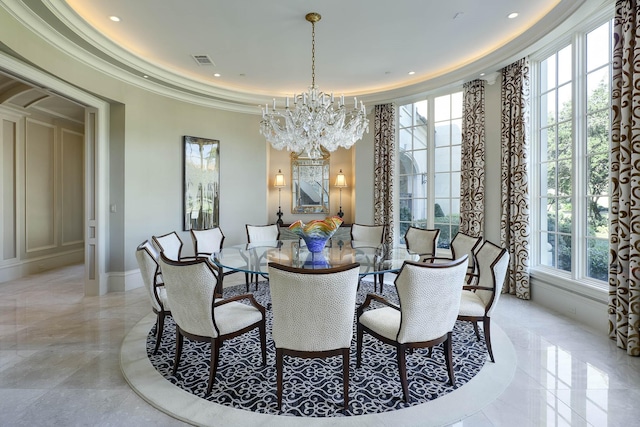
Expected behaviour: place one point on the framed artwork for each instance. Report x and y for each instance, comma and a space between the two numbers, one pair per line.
201, 182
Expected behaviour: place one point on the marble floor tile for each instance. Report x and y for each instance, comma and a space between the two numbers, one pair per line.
59, 363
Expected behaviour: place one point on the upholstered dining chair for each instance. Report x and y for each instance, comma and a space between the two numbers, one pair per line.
206, 243
465, 244
313, 313
257, 234
190, 291
429, 295
368, 233
422, 241
171, 245
147, 258
478, 301
461, 244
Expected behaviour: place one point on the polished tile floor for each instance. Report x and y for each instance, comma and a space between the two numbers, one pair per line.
59, 363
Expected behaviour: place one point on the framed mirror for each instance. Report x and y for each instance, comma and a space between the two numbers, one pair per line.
310, 183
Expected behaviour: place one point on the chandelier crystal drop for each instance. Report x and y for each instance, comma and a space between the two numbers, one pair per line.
316, 119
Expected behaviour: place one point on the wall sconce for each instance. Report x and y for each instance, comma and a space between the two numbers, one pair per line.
341, 182
279, 183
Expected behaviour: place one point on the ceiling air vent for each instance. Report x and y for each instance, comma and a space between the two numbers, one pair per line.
203, 59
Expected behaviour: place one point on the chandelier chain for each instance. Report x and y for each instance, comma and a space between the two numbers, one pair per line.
313, 54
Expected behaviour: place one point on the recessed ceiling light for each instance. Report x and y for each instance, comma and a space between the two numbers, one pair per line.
216, 75
481, 74
145, 76
411, 73
114, 18
512, 15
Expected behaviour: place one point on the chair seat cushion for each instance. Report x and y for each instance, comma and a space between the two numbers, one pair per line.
233, 316
471, 305
383, 321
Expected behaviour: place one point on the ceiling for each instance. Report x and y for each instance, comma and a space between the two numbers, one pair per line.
262, 49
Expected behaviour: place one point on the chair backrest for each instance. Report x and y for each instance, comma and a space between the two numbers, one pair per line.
146, 256
422, 241
207, 242
313, 310
465, 244
262, 233
190, 288
429, 298
368, 233
170, 244
493, 262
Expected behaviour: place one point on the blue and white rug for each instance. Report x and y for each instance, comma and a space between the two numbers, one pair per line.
313, 387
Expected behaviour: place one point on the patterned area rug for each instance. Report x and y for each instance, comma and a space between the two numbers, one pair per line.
313, 387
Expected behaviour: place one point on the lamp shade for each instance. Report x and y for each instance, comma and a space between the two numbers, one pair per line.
341, 181
279, 181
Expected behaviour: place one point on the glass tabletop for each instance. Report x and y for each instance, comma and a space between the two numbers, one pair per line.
374, 258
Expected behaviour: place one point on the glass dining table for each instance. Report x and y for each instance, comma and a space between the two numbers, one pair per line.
374, 258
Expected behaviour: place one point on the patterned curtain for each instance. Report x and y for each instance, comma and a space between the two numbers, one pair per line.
472, 170
624, 274
514, 221
384, 163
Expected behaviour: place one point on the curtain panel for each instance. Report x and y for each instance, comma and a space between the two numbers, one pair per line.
514, 220
384, 161
624, 272
472, 187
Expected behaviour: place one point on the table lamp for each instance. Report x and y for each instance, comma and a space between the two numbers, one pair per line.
279, 183
341, 182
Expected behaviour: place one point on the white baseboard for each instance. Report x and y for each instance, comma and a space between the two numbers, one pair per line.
27, 267
124, 281
587, 310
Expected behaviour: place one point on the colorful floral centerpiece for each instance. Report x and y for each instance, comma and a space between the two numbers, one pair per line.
316, 232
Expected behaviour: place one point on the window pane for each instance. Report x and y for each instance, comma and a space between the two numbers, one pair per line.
456, 132
598, 216
564, 215
552, 214
442, 108
565, 140
405, 139
564, 102
549, 170
598, 90
564, 187
598, 47
442, 184
564, 65
547, 245
598, 259
442, 211
548, 74
456, 159
564, 252
455, 187
404, 116
419, 158
419, 210
548, 109
548, 138
442, 157
420, 138
421, 112
443, 134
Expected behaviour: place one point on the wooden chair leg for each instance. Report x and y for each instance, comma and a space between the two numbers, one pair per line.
159, 330
475, 329
263, 341
279, 357
246, 280
179, 339
448, 358
486, 325
345, 377
213, 367
402, 368
359, 335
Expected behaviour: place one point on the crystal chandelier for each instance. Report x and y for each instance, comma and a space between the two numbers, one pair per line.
316, 119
